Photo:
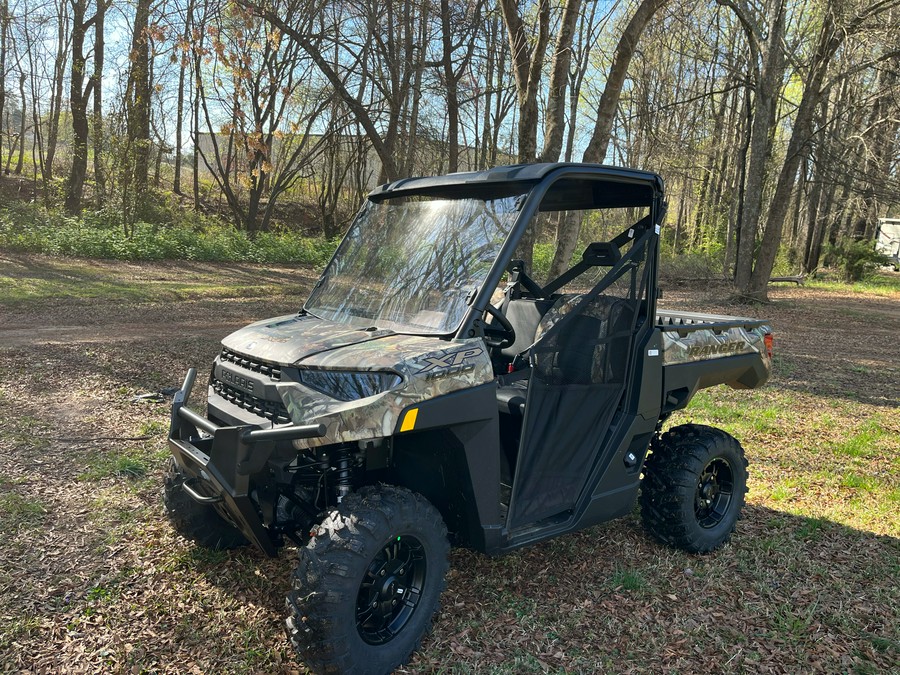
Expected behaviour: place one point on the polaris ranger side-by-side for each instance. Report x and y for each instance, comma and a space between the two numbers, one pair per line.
430, 385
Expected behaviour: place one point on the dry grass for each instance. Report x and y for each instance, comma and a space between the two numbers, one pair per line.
92, 579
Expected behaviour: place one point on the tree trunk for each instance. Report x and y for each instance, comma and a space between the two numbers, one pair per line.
883, 125
595, 152
615, 80
768, 88
78, 108
829, 40
4, 30
743, 137
554, 115
585, 42
20, 164
59, 75
195, 114
450, 82
97, 90
528, 59
486, 134
138, 100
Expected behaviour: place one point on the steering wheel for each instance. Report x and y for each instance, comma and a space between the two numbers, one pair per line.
502, 337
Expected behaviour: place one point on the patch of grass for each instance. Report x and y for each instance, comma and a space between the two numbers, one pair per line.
793, 622
12, 629
81, 280
152, 428
17, 511
781, 493
810, 528
879, 283
857, 482
133, 463
629, 579
766, 419
737, 414
863, 443
98, 593
883, 644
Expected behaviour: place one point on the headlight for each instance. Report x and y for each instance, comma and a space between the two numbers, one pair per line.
346, 385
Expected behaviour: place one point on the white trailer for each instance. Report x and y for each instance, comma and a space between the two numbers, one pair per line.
887, 239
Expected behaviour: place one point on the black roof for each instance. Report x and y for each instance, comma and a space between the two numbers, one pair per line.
509, 178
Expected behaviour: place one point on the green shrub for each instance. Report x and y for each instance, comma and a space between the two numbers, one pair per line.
856, 259
182, 236
692, 265
542, 259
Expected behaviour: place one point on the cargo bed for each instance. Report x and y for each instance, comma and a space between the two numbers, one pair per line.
704, 350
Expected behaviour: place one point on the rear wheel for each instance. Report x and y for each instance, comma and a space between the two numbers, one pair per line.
694, 486
368, 582
198, 522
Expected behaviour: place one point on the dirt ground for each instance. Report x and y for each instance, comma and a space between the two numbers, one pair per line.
92, 578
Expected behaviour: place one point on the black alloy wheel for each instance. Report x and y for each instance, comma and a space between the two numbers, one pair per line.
714, 492
390, 590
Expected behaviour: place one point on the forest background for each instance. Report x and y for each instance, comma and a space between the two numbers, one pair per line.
251, 129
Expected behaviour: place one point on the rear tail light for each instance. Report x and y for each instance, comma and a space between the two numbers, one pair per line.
769, 339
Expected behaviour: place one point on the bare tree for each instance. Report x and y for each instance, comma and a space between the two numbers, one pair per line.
382, 52
137, 110
182, 56
63, 42
768, 87
554, 115
528, 59
458, 31
257, 77
615, 79
96, 84
79, 94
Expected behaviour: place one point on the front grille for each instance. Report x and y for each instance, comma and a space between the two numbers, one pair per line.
271, 410
268, 369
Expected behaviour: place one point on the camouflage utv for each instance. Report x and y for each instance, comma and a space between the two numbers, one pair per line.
431, 391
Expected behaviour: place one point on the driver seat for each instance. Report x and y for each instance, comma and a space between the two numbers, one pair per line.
525, 315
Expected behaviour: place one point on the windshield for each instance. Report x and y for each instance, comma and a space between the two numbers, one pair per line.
410, 264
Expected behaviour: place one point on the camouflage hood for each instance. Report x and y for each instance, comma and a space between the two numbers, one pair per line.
428, 367
289, 339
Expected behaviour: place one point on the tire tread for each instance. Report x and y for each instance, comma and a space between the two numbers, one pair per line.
323, 581
670, 477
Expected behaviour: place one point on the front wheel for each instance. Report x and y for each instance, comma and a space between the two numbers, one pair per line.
368, 582
695, 481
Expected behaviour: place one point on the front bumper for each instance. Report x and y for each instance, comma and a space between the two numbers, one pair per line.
219, 461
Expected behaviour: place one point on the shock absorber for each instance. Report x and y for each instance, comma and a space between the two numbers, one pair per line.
343, 474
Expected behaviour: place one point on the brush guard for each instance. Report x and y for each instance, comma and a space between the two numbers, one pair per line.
219, 461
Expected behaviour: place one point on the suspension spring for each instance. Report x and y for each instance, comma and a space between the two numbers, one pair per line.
343, 475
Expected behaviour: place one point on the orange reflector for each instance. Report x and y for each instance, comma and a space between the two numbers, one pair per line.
409, 422
769, 339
